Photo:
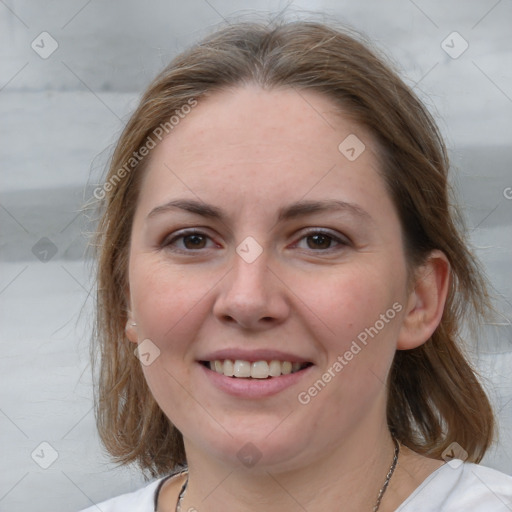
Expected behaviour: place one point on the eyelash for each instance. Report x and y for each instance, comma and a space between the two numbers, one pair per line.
340, 241
167, 243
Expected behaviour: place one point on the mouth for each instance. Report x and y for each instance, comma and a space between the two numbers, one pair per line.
242, 369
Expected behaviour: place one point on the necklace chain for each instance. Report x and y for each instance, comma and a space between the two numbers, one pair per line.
388, 476
379, 497
180, 497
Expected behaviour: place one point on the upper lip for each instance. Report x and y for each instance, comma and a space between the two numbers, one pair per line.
260, 354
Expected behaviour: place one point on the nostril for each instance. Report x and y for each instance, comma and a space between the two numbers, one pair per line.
249, 321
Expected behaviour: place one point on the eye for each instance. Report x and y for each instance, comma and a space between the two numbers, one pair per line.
320, 240
187, 241
194, 241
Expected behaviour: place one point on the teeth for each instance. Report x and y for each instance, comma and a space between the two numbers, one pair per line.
227, 368
255, 370
275, 368
259, 370
286, 367
242, 369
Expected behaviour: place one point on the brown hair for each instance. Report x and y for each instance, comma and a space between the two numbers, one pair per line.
434, 397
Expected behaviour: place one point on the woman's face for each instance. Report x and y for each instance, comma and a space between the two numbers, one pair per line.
264, 236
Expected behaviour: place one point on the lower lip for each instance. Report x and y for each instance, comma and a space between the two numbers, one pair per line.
253, 388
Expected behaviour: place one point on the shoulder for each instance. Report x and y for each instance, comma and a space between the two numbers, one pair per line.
142, 500
458, 486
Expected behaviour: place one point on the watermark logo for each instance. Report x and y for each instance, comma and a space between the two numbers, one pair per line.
147, 352
44, 45
44, 455
351, 147
249, 455
454, 45
249, 250
44, 250
454, 455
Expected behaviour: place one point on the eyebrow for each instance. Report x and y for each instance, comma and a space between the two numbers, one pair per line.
293, 211
303, 208
197, 207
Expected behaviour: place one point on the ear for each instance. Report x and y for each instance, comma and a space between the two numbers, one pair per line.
426, 301
131, 328
131, 324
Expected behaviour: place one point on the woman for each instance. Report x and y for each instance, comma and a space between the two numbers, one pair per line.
277, 246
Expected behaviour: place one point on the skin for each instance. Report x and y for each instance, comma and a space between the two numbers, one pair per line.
251, 153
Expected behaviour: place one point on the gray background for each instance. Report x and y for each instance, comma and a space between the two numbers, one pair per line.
61, 114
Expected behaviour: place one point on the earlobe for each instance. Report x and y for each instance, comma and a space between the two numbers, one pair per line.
426, 302
131, 325
131, 329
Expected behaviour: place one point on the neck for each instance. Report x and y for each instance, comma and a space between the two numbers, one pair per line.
351, 474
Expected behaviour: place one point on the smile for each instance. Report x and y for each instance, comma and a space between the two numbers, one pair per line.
242, 369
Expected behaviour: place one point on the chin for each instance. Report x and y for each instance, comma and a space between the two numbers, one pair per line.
258, 450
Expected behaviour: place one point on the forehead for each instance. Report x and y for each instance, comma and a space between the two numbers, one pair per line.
256, 120
268, 145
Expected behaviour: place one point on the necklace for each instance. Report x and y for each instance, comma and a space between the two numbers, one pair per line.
180, 497
388, 476
379, 497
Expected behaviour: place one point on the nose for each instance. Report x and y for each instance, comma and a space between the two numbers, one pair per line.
251, 296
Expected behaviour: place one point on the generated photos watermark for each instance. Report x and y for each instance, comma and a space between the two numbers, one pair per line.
305, 397
147, 352
157, 134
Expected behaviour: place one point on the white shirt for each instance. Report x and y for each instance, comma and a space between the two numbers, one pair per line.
454, 487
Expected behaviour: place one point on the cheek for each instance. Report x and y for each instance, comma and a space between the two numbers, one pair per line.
360, 311
351, 300
169, 307
166, 302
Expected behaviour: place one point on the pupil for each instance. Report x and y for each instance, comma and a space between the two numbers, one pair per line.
319, 241
194, 241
